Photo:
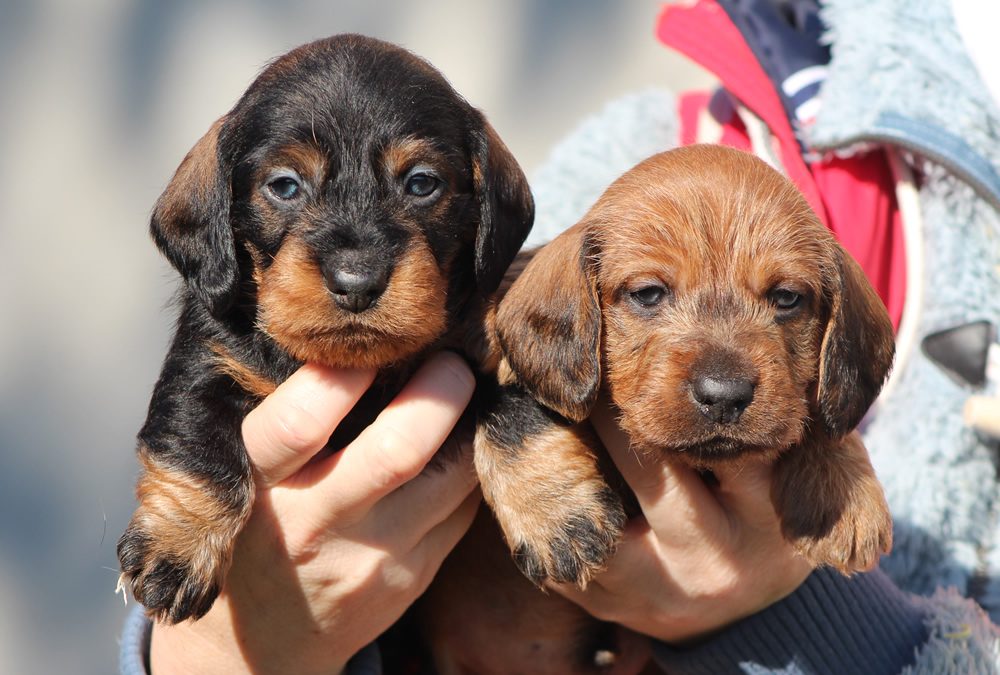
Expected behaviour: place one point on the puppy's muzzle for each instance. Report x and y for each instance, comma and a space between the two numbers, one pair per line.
722, 399
355, 289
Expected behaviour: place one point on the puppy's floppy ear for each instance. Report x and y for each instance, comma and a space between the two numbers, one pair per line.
857, 348
506, 208
190, 224
549, 325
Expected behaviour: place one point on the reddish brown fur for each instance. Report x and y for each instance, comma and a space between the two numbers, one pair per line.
402, 154
481, 617
246, 377
195, 176
297, 311
720, 230
719, 254
831, 503
196, 523
535, 493
557, 350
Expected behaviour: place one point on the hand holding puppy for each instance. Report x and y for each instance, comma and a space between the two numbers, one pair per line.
337, 547
700, 557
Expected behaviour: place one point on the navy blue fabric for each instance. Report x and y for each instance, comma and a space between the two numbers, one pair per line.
784, 35
831, 625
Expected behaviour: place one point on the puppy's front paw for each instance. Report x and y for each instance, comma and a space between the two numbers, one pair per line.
170, 588
851, 539
571, 543
176, 550
832, 506
560, 518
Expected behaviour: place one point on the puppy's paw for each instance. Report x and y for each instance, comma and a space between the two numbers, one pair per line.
559, 516
568, 536
171, 589
831, 505
176, 550
852, 539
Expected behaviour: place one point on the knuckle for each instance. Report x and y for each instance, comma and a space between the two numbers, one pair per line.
423, 578
606, 612
394, 575
723, 582
393, 459
297, 430
424, 569
457, 370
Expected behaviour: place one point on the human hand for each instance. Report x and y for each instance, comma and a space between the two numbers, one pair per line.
336, 548
699, 558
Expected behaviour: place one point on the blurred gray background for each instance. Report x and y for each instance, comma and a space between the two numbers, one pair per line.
99, 101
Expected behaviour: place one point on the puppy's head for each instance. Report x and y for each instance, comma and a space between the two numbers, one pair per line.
479, 594
348, 203
720, 314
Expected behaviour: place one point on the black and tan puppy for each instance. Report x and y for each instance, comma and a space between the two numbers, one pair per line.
724, 324
352, 210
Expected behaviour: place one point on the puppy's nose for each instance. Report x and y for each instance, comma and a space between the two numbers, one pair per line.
355, 290
722, 399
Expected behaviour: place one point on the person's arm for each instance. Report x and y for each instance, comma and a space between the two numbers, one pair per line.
133, 653
337, 548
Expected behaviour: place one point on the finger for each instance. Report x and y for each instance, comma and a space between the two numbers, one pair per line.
596, 600
442, 538
427, 500
296, 420
671, 496
400, 442
745, 491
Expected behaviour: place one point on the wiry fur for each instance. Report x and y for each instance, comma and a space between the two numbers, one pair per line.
722, 235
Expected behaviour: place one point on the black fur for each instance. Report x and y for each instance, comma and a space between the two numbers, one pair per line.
581, 544
508, 415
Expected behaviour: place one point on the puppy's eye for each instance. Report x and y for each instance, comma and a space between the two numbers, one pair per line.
285, 187
784, 299
649, 296
421, 184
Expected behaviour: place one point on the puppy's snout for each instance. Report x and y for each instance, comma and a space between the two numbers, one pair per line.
355, 290
722, 399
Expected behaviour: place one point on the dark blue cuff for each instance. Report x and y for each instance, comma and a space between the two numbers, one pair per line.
133, 652
831, 625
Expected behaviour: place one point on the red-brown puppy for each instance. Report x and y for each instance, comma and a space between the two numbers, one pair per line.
726, 325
